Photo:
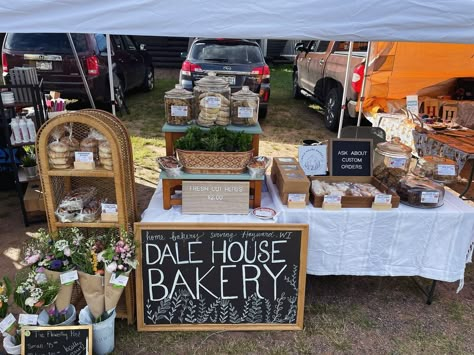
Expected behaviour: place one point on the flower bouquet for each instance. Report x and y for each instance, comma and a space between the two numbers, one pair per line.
5, 291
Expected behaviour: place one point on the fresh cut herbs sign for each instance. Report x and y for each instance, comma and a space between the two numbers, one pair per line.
226, 276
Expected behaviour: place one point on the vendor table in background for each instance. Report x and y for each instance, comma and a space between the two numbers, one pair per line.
405, 241
173, 132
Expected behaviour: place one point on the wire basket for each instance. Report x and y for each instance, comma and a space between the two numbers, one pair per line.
200, 162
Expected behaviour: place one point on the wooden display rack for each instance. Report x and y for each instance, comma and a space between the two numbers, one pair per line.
116, 185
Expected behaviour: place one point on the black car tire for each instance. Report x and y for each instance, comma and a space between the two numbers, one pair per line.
333, 109
120, 98
296, 88
149, 80
262, 112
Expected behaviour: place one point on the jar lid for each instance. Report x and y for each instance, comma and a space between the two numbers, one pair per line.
212, 80
245, 93
435, 160
416, 182
394, 149
178, 91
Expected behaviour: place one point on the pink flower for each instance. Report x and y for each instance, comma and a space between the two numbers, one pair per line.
117, 249
33, 259
120, 267
67, 251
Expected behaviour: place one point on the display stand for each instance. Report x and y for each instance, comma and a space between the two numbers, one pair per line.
173, 132
114, 185
7, 112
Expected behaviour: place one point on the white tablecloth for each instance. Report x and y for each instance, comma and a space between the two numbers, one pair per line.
405, 241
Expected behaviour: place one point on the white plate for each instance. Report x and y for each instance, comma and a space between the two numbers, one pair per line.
264, 213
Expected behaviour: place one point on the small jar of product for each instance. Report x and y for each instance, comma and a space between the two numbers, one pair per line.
244, 107
179, 106
212, 101
391, 161
439, 169
420, 192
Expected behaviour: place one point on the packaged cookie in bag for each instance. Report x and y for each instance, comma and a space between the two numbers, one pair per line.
78, 198
90, 212
70, 140
105, 155
58, 152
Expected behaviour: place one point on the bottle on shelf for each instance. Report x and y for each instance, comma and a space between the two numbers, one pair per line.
24, 130
31, 129
15, 125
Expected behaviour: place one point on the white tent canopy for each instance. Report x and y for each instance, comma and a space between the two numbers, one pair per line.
389, 20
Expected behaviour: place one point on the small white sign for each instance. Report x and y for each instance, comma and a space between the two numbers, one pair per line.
245, 112
120, 280
286, 160
430, 197
313, 159
383, 199
212, 102
84, 157
332, 199
109, 207
447, 170
68, 277
179, 111
7, 322
27, 319
397, 162
412, 104
296, 197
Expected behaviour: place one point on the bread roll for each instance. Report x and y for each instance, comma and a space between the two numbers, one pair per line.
58, 147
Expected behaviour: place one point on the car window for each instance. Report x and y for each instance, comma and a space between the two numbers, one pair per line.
101, 42
322, 46
227, 52
129, 45
45, 42
344, 46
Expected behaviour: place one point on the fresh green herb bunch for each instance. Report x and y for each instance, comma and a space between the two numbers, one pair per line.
217, 139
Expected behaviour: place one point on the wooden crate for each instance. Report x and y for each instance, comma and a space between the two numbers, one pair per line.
354, 201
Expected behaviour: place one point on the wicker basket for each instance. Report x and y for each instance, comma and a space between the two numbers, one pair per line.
200, 162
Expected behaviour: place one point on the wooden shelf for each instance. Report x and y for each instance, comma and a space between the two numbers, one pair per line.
97, 172
87, 225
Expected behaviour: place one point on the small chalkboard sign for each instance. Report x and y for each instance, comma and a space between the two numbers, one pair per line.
221, 276
60, 340
350, 157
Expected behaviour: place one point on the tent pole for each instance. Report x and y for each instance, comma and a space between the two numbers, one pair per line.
344, 92
364, 79
111, 75
79, 66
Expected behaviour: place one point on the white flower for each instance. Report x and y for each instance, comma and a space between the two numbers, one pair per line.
100, 256
20, 289
67, 251
112, 267
61, 244
41, 278
30, 302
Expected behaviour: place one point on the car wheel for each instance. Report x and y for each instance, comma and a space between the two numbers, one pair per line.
120, 98
262, 112
296, 88
149, 81
333, 109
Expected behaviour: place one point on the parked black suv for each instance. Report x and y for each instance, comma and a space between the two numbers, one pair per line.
238, 61
52, 56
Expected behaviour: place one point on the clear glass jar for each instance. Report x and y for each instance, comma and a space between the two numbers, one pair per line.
420, 192
439, 169
244, 107
179, 106
212, 101
391, 161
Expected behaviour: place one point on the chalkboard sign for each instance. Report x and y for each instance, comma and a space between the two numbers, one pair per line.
60, 340
221, 276
350, 157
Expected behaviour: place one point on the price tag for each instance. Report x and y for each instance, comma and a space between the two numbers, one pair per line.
212, 102
430, 197
332, 199
287, 160
84, 157
28, 319
109, 207
179, 111
245, 112
7, 322
120, 280
397, 162
68, 277
449, 170
383, 199
296, 197
289, 167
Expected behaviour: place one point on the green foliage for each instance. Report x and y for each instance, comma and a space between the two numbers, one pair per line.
217, 139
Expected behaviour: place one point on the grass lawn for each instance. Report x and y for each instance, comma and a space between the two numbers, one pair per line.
344, 314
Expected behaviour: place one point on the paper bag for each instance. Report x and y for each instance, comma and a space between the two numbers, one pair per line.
92, 287
65, 292
112, 292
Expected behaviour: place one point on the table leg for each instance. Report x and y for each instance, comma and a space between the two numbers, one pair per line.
468, 186
255, 143
429, 292
166, 194
257, 194
169, 143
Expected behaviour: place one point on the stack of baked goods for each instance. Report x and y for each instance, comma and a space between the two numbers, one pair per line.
72, 143
90, 144
214, 108
74, 202
105, 155
321, 188
59, 155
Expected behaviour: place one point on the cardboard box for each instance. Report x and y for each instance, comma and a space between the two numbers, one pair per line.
292, 181
33, 197
354, 201
55, 95
279, 161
